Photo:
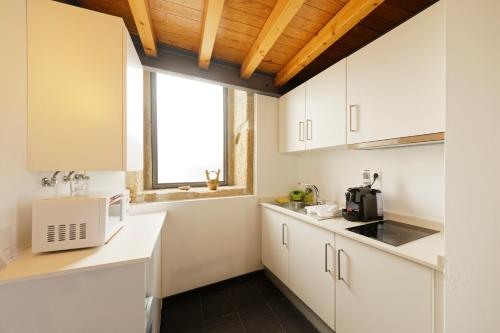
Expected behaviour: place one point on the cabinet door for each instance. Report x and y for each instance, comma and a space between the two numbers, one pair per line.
292, 120
312, 269
153, 285
275, 228
75, 88
380, 292
134, 106
396, 84
326, 108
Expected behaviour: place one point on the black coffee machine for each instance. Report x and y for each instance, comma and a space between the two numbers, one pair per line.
363, 203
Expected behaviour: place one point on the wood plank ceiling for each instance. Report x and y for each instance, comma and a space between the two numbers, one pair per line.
179, 23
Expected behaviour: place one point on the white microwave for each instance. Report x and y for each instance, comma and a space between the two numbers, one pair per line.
64, 223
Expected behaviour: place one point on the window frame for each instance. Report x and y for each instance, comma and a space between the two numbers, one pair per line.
154, 142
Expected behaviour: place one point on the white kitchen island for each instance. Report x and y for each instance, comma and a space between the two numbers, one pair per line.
101, 289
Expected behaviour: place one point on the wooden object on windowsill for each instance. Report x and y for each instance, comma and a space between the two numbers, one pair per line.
212, 183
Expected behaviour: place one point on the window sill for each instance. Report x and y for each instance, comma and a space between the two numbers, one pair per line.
193, 193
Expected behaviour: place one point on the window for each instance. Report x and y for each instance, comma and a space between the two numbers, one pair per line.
189, 131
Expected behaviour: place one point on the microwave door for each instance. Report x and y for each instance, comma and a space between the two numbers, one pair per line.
115, 216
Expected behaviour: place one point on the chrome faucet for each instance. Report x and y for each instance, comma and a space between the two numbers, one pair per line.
316, 192
50, 182
68, 177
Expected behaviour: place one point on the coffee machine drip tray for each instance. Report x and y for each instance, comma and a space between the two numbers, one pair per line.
392, 232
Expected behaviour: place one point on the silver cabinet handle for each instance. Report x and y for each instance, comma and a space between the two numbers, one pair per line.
301, 131
309, 129
327, 270
339, 276
283, 234
353, 118
283, 226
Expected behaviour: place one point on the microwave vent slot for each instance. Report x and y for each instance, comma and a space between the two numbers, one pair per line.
83, 231
72, 231
61, 232
51, 234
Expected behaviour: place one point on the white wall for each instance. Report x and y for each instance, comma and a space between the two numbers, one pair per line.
207, 240
18, 186
472, 230
412, 180
276, 174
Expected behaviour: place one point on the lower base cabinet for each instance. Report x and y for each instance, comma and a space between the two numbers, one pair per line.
381, 293
108, 298
352, 287
302, 256
312, 269
275, 227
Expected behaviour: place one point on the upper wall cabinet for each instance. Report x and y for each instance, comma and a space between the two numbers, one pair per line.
313, 115
292, 111
325, 108
396, 85
85, 91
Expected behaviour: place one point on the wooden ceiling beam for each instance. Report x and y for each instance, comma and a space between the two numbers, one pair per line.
142, 18
350, 15
211, 18
282, 14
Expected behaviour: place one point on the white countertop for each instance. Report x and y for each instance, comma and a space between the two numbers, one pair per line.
427, 251
133, 244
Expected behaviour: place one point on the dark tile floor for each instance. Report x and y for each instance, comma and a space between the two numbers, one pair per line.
246, 304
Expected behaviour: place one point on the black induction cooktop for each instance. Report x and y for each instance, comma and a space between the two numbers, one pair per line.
392, 232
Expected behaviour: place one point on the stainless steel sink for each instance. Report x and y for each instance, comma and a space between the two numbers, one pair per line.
296, 206
300, 207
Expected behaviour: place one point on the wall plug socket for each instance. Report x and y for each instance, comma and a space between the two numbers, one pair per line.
378, 182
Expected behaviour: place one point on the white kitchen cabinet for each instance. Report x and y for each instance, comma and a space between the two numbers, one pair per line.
396, 84
302, 256
312, 269
292, 120
100, 290
380, 292
275, 232
85, 90
313, 115
325, 108
153, 287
